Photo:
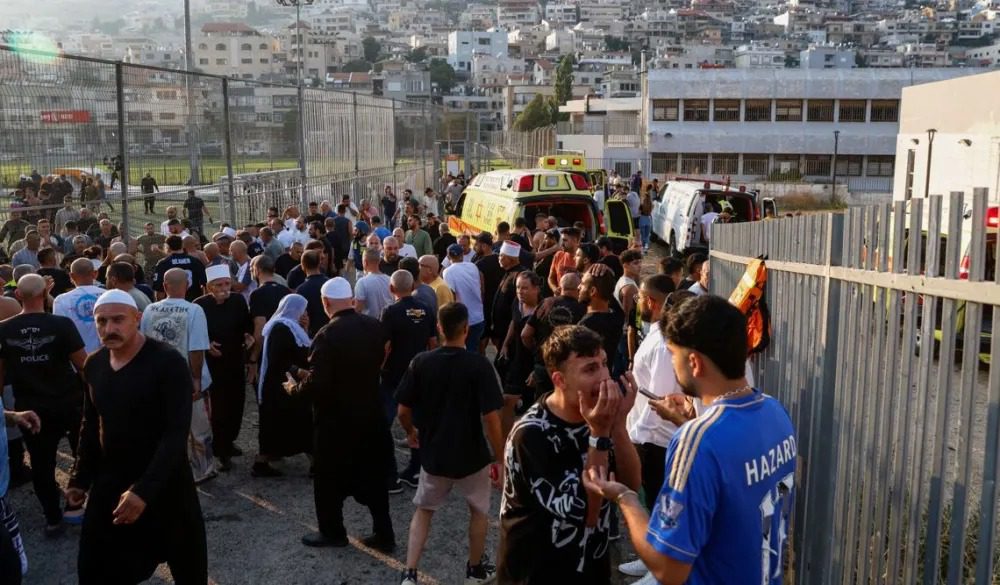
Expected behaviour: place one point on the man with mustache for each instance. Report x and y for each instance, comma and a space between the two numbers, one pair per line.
142, 507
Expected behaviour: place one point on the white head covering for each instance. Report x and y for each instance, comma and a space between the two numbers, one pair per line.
509, 248
116, 297
289, 310
216, 272
337, 289
229, 232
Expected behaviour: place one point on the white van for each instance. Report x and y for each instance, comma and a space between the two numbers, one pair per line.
678, 211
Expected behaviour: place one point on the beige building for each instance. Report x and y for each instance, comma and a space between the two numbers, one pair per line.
236, 50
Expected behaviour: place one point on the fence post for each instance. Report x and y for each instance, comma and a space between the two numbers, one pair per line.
465, 147
816, 562
423, 145
122, 149
395, 182
302, 142
357, 137
436, 154
231, 198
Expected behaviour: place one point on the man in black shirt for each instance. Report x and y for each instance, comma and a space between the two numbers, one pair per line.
290, 259
343, 234
39, 352
390, 256
608, 257
314, 214
441, 244
194, 210
597, 289
179, 259
229, 331
562, 309
60, 278
551, 530
489, 267
149, 186
310, 288
449, 405
411, 330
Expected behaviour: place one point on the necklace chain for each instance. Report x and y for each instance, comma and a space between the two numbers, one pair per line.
732, 393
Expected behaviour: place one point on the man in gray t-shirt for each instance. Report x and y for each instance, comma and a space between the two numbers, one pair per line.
371, 292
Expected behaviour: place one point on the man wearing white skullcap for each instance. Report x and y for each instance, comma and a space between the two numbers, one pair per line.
38, 356
230, 332
142, 507
510, 261
352, 440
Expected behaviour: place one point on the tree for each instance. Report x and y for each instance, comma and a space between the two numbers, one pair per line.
357, 66
372, 49
616, 44
418, 55
537, 114
442, 74
564, 79
290, 127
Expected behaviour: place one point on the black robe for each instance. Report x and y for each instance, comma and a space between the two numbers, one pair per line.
134, 437
285, 421
350, 427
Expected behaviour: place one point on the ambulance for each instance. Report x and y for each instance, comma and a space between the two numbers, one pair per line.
576, 164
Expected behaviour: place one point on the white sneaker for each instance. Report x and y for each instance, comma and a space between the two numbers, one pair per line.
635, 568
649, 579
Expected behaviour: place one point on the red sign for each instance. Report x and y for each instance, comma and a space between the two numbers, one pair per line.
66, 117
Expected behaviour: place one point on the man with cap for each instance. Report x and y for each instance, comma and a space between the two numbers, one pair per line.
352, 440
38, 354
418, 238
142, 507
492, 272
465, 280
230, 331
181, 324
78, 304
506, 294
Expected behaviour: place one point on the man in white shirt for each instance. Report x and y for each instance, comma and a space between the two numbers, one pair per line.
707, 219
165, 224
405, 250
702, 286
182, 325
465, 243
654, 372
371, 292
287, 236
466, 281
78, 304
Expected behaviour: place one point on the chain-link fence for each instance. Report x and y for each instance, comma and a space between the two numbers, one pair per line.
240, 145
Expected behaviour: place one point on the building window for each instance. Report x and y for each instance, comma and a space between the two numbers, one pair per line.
664, 110
168, 116
220, 47
885, 110
818, 165
246, 47
262, 46
820, 111
694, 163
788, 111
757, 111
696, 110
755, 164
484, 42
726, 110
202, 46
911, 158
264, 61
880, 166
849, 165
246, 61
203, 61
852, 110
664, 163
725, 164
786, 167
220, 61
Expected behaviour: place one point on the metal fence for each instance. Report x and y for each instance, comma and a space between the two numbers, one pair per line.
883, 355
237, 143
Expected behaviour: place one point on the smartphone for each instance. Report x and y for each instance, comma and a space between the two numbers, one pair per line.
649, 394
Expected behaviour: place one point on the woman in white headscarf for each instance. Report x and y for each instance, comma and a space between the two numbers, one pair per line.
285, 421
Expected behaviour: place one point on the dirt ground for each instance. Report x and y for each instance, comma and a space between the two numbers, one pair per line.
254, 526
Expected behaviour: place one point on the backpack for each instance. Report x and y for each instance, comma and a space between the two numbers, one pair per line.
749, 298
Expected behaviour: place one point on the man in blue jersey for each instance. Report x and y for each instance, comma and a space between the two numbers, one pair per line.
722, 514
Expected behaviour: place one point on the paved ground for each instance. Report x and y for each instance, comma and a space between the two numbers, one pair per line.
254, 526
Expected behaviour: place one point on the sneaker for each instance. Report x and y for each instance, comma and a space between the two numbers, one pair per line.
484, 572
410, 478
73, 515
648, 579
396, 487
635, 568
409, 577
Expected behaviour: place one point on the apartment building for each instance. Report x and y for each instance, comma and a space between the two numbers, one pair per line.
984, 56
560, 14
236, 50
462, 45
827, 57
513, 14
758, 56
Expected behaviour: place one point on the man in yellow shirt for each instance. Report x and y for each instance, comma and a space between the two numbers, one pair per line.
430, 274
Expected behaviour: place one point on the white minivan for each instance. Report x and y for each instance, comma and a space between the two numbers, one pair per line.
677, 213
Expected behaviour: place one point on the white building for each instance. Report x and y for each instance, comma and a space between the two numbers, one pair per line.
966, 151
779, 123
560, 13
984, 56
827, 57
513, 14
604, 130
462, 45
755, 56
494, 70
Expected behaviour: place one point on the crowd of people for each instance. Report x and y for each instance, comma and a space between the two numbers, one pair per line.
602, 388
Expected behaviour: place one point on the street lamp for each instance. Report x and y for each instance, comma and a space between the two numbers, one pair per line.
930, 152
836, 146
298, 4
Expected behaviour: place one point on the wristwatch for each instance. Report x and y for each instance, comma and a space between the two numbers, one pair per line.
601, 443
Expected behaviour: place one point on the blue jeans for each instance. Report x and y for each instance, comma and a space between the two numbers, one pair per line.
645, 229
475, 334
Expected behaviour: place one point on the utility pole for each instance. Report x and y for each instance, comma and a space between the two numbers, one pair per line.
194, 148
300, 56
930, 153
836, 147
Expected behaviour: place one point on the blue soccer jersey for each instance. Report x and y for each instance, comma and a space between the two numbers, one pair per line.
727, 497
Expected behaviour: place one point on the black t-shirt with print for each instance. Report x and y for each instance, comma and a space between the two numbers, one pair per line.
449, 390
264, 300
409, 325
187, 263
543, 533
609, 326
35, 349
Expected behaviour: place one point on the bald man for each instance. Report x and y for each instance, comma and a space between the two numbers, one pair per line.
144, 509
182, 325
38, 354
430, 274
78, 304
